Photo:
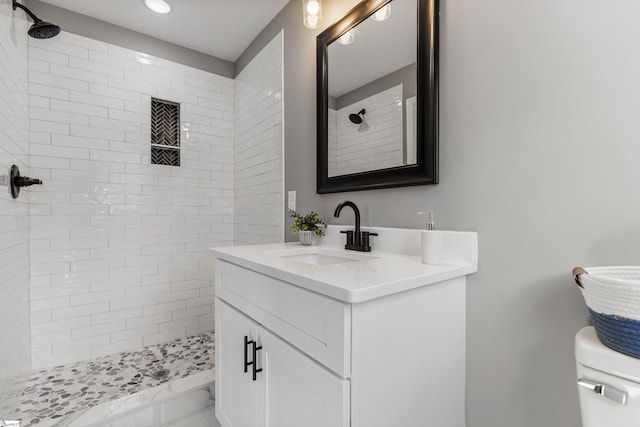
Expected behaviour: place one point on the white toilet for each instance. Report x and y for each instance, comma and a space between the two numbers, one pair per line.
608, 383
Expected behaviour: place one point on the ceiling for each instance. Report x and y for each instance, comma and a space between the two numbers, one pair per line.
220, 28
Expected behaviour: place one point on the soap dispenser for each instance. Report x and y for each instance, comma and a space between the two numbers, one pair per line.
431, 241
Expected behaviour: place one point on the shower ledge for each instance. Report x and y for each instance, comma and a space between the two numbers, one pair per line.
57, 395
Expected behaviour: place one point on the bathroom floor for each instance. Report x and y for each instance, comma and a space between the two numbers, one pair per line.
59, 392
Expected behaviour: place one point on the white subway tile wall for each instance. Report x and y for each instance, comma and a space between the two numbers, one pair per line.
378, 147
14, 214
258, 149
332, 142
120, 247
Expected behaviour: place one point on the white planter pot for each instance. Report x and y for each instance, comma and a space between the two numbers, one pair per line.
307, 237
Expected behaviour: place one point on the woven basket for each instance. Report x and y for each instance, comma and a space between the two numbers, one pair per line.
613, 297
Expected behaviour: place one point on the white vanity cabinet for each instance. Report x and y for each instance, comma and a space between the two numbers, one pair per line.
236, 392
286, 389
342, 339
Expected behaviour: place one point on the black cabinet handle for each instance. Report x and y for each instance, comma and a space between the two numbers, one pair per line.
255, 360
246, 353
256, 348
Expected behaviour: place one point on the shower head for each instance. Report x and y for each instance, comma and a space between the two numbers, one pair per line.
43, 30
356, 119
40, 29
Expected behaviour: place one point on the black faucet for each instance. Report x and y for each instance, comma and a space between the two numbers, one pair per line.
356, 240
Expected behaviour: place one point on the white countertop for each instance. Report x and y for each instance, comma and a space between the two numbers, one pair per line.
378, 274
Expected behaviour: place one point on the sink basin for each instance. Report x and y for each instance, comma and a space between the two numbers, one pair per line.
319, 256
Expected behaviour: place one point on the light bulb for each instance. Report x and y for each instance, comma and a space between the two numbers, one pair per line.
312, 13
313, 7
158, 6
312, 21
383, 13
348, 37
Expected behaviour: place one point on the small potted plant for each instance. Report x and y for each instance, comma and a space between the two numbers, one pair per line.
307, 227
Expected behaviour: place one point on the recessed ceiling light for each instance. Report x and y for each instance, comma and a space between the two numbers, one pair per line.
158, 6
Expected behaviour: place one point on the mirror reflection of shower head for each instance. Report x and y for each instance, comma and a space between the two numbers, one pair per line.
356, 119
40, 29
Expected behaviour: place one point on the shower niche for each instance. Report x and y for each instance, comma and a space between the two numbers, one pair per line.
165, 132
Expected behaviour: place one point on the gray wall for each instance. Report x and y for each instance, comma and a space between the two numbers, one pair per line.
538, 154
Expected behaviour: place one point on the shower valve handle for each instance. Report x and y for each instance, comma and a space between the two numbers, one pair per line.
25, 181
16, 181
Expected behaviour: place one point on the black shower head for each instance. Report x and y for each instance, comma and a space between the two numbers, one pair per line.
40, 29
43, 30
356, 119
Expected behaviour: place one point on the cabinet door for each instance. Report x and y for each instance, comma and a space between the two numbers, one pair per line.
295, 391
235, 390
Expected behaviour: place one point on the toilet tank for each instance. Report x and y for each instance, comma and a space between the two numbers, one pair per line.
608, 383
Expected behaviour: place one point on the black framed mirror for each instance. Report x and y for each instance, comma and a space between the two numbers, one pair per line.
377, 97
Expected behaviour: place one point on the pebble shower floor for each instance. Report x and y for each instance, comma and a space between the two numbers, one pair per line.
60, 392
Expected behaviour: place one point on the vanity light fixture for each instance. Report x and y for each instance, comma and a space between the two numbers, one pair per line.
348, 37
312, 13
158, 6
383, 13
